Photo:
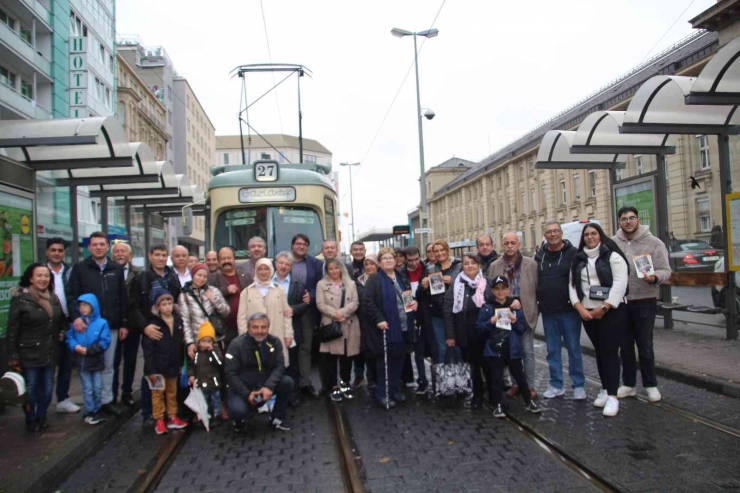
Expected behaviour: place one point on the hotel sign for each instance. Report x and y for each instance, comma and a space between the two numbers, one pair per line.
78, 77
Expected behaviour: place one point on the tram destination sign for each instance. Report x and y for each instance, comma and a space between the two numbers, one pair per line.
271, 194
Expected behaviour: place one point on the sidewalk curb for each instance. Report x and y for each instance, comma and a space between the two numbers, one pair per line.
701, 381
70, 462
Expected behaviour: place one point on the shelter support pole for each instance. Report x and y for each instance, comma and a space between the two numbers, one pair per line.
104, 214
662, 193
725, 178
147, 237
75, 224
127, 214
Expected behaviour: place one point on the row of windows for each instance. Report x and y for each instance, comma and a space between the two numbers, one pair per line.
16, 82
25, 32
95, 46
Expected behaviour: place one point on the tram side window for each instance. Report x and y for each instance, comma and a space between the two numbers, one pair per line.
330, 219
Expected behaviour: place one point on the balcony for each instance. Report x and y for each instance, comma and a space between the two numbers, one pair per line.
27, 53
39, 9
22, 104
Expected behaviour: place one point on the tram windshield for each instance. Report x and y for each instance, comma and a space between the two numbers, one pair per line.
276, 225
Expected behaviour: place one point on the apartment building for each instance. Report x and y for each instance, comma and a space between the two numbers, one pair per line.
195, 151
279, 147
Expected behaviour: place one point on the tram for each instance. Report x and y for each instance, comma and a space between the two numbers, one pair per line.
270, 200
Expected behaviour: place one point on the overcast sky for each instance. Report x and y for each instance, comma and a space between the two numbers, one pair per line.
496, 70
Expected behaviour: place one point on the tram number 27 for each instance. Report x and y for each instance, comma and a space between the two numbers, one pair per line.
266, 171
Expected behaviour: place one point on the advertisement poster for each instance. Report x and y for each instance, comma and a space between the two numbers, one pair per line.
733, 220
16, 237
640, 196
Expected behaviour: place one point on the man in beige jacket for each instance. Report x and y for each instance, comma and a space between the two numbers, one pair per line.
521, 272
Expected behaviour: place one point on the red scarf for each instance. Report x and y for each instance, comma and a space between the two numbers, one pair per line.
415, 276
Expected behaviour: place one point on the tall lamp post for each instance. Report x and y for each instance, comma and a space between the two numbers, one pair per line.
351, 197
429, 33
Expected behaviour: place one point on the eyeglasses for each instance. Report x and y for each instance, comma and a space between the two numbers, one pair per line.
630, 219
388, 259
553, 231
591, 235
300, 244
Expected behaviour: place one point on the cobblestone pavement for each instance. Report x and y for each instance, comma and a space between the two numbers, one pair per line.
644, 448
118, 463
262, 459
423, 447
717, 407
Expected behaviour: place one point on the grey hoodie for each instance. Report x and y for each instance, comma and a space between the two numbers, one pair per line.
644, 242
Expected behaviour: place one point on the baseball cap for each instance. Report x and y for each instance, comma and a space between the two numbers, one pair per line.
500, 280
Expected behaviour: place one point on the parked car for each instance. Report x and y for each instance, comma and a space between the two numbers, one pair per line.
693, 256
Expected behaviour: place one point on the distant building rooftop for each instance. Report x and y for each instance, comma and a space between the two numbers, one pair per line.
454, 163
278, 140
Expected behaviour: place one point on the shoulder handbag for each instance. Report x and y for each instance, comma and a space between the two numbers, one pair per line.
219, 325
333, 330
597, 293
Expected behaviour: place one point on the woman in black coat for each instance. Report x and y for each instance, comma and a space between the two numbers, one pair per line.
35, 325
370, 266
389, 335
462, 303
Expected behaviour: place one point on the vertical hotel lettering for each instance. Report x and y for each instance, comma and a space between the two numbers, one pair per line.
78, 77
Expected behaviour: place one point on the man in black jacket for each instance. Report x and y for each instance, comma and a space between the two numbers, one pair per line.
140, 307
560, 319
484, 247
102, 277
255, 369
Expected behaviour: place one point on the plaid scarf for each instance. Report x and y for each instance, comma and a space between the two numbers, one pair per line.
513, 271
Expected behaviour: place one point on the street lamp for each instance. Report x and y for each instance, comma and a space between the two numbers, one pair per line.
429, 33
351, 198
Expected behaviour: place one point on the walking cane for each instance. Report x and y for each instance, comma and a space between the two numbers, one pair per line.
385, 357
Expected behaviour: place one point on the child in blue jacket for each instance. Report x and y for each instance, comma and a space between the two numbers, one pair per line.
88, 348
503, 346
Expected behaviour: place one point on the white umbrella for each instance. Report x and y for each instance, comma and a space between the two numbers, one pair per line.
197, 402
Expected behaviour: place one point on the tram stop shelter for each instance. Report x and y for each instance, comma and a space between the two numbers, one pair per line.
663, 108
93, 153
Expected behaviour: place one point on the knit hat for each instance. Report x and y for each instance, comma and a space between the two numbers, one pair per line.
198, 267
372, 258
206, 330
158, 295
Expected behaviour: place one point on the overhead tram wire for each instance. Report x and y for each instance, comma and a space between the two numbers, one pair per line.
667, 31
277, 99
377, 133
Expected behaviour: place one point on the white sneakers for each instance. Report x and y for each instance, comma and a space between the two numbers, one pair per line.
553, 392
67, 406
601, 399
612, 406
579, 394
625, 391
653, 394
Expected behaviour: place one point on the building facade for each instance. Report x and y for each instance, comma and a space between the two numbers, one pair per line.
195, 153
278, 147
505, 193
141, 113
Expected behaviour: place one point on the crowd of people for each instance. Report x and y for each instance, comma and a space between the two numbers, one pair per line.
244, 333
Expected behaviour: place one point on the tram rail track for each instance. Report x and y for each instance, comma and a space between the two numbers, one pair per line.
691, 416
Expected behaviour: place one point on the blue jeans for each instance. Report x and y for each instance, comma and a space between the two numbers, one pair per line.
92, 390
213, 398
438, 329
39, 389
64, 372
240, 409
565, 327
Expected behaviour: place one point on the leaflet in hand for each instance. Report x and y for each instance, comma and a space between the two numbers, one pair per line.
408, 300
503, 318
643, 265
436, 284
158, 382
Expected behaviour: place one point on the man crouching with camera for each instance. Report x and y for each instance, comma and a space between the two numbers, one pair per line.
255, 369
